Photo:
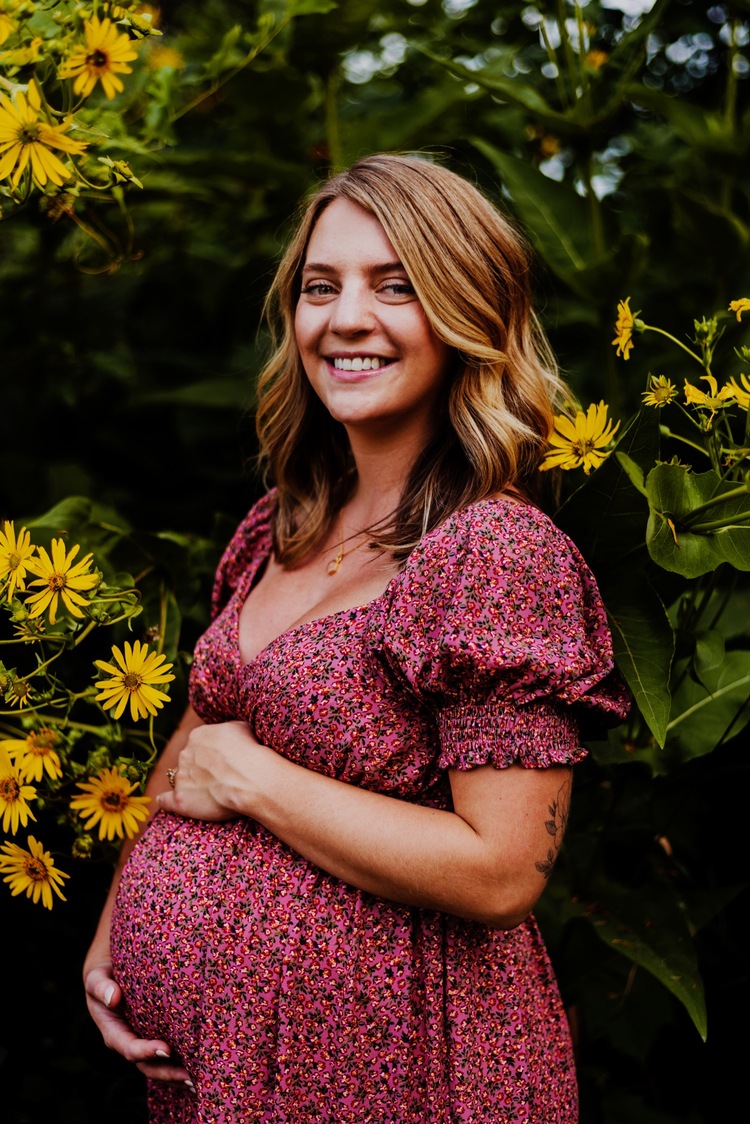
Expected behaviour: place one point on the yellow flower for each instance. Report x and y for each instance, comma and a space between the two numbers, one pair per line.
60, 579
108, 801
14, 795
35, 754
741, 393
15, 552
661, 392
106, 54
581, 441
713, 399
7, 27
596, 59
624, 328
740, 306
32, 871
26, 140
133, 681
23, 56
19, 692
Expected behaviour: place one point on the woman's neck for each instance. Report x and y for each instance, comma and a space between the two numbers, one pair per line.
382, 468
380, 482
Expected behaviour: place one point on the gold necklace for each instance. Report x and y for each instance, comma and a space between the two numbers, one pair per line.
333, 566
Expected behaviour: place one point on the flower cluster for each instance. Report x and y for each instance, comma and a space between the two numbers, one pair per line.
84, 83
52, 126
59, 738
585, 439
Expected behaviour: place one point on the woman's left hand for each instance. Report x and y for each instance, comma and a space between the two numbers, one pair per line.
214, 759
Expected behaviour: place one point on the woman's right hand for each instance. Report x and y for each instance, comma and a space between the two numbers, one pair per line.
151, 1056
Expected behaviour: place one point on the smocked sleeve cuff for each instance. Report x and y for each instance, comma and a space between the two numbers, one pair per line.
536, 736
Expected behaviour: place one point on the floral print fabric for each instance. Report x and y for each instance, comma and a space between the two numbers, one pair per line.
293, 997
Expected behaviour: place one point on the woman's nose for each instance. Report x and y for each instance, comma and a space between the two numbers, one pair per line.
352, 311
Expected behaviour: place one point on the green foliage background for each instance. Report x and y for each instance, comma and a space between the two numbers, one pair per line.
128, 379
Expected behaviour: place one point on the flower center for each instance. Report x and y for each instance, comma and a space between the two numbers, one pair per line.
581, 448
28, 134
36, 870
21, 690
42, 741
10, 789
114, 801
56, 582
131, 681
14, 561
98, 60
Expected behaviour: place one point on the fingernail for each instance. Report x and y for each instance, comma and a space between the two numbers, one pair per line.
189, 1083
162, 1054
108, 995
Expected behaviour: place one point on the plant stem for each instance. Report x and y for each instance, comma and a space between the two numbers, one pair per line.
570, 61
735, 493
666, 432
219, 82
552, 56
718, 524
333, 131
730, 102
651, 328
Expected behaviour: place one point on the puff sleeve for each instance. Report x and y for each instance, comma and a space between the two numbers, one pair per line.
251, 537
496, 624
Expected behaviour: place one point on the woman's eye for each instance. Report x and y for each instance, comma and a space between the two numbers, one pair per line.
398, 288
317, 289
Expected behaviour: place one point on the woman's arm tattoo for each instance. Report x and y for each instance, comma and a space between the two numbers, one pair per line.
555, 825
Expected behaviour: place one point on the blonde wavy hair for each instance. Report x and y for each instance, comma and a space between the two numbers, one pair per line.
470, 270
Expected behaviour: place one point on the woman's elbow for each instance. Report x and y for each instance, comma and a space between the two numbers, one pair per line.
505, 906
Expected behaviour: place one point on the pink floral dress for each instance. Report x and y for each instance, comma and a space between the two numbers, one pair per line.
295, 998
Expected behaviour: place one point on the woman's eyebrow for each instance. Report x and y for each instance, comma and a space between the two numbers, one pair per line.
379, 267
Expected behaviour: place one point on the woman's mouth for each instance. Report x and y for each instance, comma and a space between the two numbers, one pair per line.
360, 363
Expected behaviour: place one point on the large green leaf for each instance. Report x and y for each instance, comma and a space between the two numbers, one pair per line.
557, 218
679, 544
643, 644
649, 928
703, 713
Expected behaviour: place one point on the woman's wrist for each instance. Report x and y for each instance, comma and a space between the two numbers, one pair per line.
246, 787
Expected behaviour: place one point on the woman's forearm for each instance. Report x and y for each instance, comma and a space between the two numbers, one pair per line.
392, 848
482, 861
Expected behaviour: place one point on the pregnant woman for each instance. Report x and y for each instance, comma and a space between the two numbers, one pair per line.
329, 918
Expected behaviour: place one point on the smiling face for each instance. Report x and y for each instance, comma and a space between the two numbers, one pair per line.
364, 340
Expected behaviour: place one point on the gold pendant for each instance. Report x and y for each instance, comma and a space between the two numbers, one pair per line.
333, 566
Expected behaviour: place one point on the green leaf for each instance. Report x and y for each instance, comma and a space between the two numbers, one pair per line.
675, 544
709, 651
73, 511
310, 7
512, 89
643, 645
649, 928
698, 127
212, 394
557, 217
704, 713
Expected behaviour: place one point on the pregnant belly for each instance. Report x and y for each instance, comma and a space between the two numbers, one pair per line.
203, 922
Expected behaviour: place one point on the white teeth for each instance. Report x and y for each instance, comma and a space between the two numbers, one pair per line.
371, 363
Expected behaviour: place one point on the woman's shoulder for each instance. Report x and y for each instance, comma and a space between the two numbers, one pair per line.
499, 558
497, 530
